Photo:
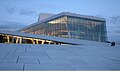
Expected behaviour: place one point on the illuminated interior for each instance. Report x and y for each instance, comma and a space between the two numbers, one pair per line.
71, 27
13, 39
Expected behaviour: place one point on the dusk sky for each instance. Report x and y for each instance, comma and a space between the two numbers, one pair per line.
27, 11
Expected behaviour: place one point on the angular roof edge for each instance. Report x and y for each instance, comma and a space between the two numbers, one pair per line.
51, 38
44, 37
64, 14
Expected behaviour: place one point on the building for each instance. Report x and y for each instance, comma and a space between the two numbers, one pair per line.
70, 25
43, 16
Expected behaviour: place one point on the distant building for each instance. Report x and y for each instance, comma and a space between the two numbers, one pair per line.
70, 25
43, 16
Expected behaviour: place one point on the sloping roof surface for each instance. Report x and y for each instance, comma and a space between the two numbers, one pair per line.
52, 38
95, 56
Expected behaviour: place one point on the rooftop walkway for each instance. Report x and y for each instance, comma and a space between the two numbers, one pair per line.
25, 57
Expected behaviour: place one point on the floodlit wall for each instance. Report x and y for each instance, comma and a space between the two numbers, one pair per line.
13, 39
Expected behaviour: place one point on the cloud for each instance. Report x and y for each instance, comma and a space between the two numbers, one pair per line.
21, 11
11, 25
27, 12
11, 10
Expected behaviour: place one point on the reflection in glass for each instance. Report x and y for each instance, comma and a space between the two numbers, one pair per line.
72, 27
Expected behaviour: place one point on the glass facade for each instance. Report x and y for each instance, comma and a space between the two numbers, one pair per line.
87, 29
72, 27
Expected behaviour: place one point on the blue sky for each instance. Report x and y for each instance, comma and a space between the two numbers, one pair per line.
27, 11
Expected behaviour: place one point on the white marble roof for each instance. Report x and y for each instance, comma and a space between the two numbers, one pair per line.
24, 57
